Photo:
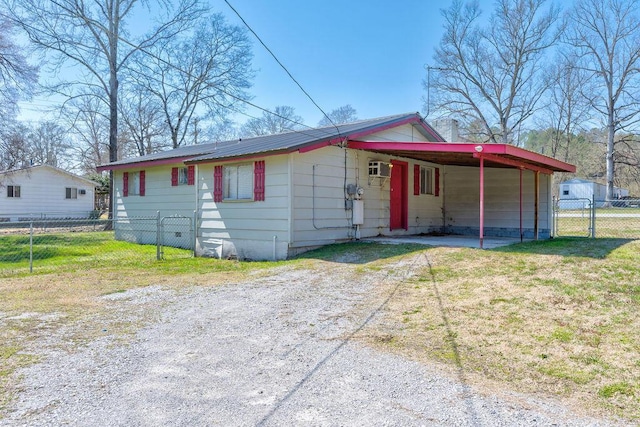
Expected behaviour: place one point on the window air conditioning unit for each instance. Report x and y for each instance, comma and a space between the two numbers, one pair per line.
379, 169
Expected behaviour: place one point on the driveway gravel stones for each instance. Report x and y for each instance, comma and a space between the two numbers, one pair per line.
280, 350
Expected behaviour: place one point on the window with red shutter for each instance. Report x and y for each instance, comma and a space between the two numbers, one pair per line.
174, 177
436, 190
217, 184
416, 180
125, 184
258, 181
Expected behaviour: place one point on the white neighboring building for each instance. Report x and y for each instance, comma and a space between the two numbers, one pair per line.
44, 191
582, 189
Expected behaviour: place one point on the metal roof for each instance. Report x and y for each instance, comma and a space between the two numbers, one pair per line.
283, 142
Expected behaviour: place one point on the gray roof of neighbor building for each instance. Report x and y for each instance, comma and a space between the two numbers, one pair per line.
281, 142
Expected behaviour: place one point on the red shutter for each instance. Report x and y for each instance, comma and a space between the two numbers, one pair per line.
125, 184
217, 184
191, 175
436, 190
142, 184
258, 181
174, 177
416, 180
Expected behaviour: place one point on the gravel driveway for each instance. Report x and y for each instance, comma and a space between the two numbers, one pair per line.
281, 350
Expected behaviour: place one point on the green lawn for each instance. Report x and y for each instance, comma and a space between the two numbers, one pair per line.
555, 317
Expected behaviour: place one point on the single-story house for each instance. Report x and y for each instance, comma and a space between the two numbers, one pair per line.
273, 196
576, 193
44, 191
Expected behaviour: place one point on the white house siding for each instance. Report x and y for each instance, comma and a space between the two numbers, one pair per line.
137, 215
404, 133
251, 229
42, 194
501, 203
319, 212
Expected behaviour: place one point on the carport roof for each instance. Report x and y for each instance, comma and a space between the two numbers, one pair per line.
465, 154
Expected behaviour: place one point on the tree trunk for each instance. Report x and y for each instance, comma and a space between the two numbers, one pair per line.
610, 166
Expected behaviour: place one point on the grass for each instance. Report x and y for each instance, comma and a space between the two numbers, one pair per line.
606, 227
557, 317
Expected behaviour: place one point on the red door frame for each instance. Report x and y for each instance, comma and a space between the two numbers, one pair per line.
399, 212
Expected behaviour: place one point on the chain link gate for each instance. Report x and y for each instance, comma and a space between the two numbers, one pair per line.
573, 217
175, 231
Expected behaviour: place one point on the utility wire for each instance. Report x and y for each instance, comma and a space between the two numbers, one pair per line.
281, 65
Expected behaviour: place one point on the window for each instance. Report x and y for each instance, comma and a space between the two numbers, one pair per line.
133, 183
71, 193
13, 191
238, 182
565, 190
426, 180
183, 176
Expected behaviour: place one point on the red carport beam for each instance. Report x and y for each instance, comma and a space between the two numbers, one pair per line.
514, 163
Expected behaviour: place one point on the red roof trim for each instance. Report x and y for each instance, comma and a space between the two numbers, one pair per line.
512, 162
148, 163
495, 149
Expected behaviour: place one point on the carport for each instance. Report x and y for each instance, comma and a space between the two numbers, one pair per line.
480, 156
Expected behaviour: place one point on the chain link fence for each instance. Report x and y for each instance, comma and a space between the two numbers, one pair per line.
39, 242
590, 218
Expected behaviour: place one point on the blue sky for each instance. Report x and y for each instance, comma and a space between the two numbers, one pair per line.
367, 53
370, 54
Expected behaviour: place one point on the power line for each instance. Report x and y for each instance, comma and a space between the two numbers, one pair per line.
281, 65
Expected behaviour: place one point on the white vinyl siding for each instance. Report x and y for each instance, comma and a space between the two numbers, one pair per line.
502, 198
42, 190
252, 229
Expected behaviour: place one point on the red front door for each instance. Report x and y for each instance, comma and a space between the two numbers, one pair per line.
399, 195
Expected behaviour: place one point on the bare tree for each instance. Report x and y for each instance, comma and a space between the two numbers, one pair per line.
88, 119
283, 119
197, 77
490, 71
17, 77
142, 118
14, 148
93, 35
49, 144
606, 36
344, 114
567, 108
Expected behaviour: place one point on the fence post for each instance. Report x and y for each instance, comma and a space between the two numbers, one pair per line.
158, 243
194, 230
593, 216
31, 247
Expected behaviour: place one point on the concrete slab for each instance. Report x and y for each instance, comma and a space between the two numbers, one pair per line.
450, 241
